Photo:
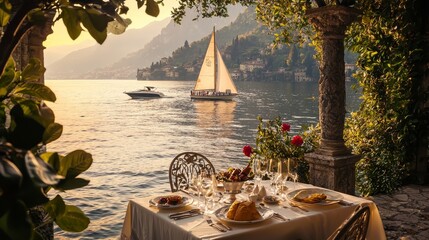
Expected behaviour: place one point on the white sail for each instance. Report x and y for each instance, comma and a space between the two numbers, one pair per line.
207, 72
214, 81
223, 79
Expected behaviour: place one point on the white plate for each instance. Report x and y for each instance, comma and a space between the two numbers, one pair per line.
185, 202
331, 196
266, 213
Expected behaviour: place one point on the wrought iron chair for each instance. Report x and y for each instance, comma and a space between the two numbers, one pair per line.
185, 166
355, 227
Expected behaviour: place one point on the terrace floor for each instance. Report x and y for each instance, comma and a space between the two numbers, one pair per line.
405, 213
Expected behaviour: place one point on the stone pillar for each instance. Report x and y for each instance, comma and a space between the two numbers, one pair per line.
332, 165
31, 44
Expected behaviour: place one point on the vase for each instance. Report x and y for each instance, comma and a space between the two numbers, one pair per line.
232, 188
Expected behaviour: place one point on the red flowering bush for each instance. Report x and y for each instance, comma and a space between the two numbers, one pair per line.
247, 150
273, 141
297, 141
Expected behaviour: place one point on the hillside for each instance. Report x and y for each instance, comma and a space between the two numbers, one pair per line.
246, 47
171, 37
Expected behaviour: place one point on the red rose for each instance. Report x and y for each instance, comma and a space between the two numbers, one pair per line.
247, 150
285, 127
297, 140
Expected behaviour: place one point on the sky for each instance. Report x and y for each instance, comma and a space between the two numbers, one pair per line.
138, 17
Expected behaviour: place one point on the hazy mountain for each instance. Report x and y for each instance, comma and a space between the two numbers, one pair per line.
77, 63
55, 53
171, 37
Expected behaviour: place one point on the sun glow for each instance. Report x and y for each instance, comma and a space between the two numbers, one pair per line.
138, 17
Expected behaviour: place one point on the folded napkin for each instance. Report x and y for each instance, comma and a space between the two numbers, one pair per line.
262, 193
257, 194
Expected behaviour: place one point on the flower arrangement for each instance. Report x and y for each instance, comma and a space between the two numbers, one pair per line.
275, 141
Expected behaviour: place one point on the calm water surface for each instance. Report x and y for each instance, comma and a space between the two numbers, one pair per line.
134, 141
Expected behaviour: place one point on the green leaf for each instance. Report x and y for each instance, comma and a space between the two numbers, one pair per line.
39, 171
11, 176
96, 23
53, 159
152, 8
76, 163
73, 183
9, 74
33, 71
26, 132
55, 207
37, 90
37, 17
73, 220
71, 21
5, 11
52, 133
16, 224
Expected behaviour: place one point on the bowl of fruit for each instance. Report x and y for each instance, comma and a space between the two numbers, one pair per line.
233, 180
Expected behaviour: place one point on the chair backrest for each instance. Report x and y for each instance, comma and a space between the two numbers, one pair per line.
355, 227
185, 166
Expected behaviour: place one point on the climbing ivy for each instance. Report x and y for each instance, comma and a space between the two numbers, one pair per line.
384, 129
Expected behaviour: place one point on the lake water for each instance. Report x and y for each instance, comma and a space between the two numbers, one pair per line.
134, 141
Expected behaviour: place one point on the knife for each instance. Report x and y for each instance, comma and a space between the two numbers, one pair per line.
213, 225
196, 210
180, 217
224, 225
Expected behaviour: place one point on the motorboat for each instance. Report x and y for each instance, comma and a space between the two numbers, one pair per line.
146, 92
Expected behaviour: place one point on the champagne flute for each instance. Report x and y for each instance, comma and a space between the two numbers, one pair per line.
206, 188
281, 187
262, 168
193, 187
271, 171
292, 173
256, 171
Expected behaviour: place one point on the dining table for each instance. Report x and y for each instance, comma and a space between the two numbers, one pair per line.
286, 220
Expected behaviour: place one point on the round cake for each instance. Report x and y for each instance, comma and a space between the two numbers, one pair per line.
243, 211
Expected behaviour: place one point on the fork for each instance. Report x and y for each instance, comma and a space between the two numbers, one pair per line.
280, 217
297, 206
213, 225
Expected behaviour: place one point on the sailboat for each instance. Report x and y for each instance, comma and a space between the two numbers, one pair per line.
214, 81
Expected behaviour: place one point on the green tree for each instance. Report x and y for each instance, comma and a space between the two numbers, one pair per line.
27, 174
96, 16
386, 129
293, 58
392, 119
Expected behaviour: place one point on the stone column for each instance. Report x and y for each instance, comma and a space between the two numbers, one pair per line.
332, 165
31, 44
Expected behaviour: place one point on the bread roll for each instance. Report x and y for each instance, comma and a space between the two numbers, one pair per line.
243, 211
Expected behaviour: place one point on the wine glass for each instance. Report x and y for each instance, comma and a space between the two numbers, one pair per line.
293, 175
281, 186
205, 188
261, 169
272, 174
193, 188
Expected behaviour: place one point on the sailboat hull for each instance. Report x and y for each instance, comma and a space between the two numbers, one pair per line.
214, 97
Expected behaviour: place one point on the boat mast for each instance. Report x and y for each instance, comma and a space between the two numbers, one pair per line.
215, 60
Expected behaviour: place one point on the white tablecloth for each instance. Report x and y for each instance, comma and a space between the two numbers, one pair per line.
143, 222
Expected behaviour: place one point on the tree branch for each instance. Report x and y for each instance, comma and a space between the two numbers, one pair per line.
13, 33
